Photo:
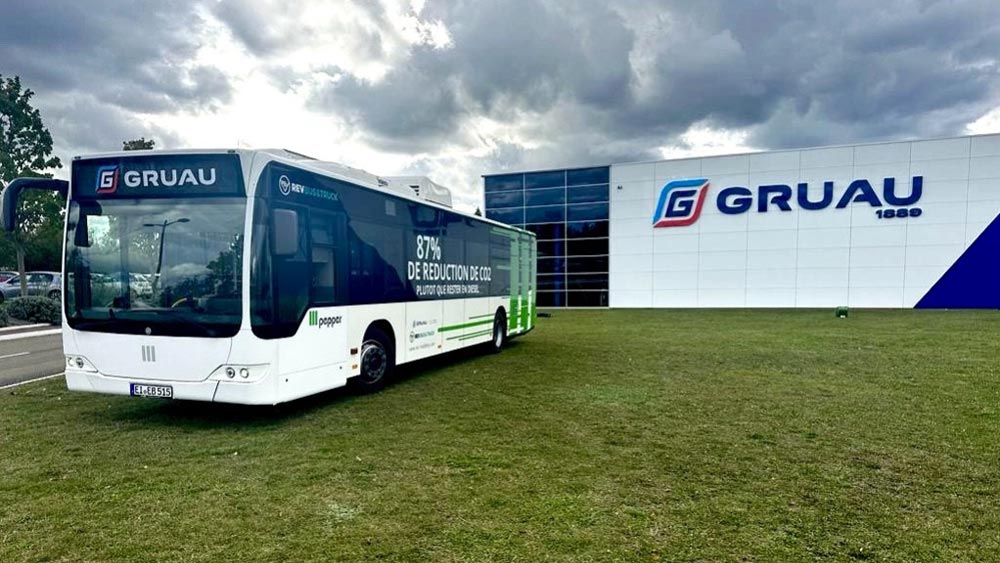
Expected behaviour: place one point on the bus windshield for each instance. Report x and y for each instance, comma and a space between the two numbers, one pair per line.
155, 266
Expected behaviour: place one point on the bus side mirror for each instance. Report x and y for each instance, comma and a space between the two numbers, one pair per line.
285, 232
12, 194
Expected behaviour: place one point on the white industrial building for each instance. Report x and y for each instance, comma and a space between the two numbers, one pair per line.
901, 224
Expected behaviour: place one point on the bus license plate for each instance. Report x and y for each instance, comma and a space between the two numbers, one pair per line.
158, 391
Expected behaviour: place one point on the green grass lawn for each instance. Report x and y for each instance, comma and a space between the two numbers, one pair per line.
601, 436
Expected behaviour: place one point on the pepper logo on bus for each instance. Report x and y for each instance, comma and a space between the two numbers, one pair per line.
320, 322
680, 202
107, 179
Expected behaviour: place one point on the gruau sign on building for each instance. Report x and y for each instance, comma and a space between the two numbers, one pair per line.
905, 224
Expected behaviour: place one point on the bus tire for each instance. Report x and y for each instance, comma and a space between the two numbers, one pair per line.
499, 339
377, 361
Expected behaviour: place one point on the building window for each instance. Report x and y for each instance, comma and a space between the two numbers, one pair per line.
568, 210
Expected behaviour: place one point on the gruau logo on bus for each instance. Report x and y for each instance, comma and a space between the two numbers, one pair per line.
107, 178
681, 200
680, 203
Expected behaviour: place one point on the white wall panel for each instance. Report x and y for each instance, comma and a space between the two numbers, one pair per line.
632, 299
988, 145
778, 160
770, 297
772, 258
877, 154
634, 227
722, 297
637, 281
630, 263
668, 241
620, 246
675, 280
876, 173
984, 189
923, 235
940, 148
773, 278
717, 165
722, 279
821, 277
722, 260
678, 262
822, 158
841, 176
876, 277
646, 190
766, 240
950, 169
950, 212
932, 255
718, 223
645, 171
883, 256
890, 235
876, 297
824, 257
923, 276
671, 169
820, 297
826, 219
681, 298
773, 219
824, 238
633, 209
716, 242
939, 191
985, 167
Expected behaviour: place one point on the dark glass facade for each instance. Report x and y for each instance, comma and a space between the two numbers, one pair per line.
568, 210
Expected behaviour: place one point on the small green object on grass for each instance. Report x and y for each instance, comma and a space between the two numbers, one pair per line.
841, 312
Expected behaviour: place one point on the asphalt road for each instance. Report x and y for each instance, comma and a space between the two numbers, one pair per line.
22, 359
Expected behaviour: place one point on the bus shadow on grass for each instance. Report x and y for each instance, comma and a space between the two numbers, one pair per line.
196, 414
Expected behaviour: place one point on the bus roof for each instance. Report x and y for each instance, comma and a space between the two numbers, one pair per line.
330, 169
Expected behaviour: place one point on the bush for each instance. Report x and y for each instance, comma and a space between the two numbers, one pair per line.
4, 317
34, 309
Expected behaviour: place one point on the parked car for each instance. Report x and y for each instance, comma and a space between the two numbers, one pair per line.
48, 284
6, 275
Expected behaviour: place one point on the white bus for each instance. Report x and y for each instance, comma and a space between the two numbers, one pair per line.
262, 276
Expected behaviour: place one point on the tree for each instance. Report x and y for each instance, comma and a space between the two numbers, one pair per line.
26, 151
140, 144
479, 212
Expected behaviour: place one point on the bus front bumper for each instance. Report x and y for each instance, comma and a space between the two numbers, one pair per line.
254, 393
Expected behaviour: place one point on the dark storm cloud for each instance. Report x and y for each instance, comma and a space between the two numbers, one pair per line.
638, 74
135, 55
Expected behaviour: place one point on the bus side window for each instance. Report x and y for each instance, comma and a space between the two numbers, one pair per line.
325, 240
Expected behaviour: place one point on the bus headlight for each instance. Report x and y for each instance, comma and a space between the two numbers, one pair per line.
79, 363
247, 373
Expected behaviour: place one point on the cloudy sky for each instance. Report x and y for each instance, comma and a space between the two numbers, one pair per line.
459, 88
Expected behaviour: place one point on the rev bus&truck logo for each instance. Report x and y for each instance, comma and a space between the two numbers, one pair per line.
107, 179
680, 200
680, 203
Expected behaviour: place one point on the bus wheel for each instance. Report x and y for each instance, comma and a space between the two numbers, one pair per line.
377, 361
499, 332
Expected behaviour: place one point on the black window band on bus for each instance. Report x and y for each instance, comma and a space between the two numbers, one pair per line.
358, 244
